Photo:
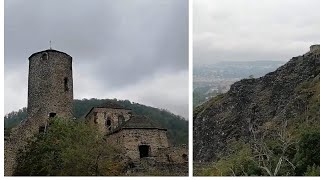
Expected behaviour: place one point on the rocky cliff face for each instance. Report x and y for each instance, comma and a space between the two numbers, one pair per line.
277, 96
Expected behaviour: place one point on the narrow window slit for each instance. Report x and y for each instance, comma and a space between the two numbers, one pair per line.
66, 88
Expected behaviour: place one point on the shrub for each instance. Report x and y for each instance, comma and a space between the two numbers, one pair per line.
312, 171
308, 152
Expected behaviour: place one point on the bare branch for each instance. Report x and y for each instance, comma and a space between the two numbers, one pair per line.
262, 152
266, 169
292, 165
276, 170
232, 171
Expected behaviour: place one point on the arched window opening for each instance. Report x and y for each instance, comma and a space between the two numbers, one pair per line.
44, 56
121, 119
108, 123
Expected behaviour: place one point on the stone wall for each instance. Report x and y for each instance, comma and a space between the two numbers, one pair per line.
99, 117
178, 154
50, 83
18, 139
130, 139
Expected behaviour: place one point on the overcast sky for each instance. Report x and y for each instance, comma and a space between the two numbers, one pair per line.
253, 30
124, 49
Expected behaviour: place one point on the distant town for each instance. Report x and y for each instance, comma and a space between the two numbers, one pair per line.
210, 80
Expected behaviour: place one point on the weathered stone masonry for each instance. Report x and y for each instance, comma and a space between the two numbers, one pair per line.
108, 118
135, 135
50, 84
314, 51
50, 93
130, 140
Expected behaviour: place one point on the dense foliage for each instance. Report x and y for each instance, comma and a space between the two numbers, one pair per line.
177, 126
69, 148
308, 156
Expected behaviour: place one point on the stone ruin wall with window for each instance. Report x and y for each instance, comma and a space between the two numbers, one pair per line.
136, 136
139, 143
107, 119
149, 150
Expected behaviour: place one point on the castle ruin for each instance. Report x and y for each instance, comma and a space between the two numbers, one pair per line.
314, 51
137, 136
50, 94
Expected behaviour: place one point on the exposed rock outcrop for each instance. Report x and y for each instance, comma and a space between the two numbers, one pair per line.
273, 97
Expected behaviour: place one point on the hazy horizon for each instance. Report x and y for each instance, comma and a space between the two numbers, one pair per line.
240, 61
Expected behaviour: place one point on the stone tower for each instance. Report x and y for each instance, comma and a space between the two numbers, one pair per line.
315, 51
50, 84
315, 47
50, 93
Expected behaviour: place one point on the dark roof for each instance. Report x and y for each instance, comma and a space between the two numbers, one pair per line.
139, 122
112, 105
48, 50
108, 104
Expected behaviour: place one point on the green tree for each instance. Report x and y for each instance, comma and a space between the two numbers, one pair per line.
313, 171
69, 148
237, 161
308, 152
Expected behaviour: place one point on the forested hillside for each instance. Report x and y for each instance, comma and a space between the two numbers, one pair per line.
177, 126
